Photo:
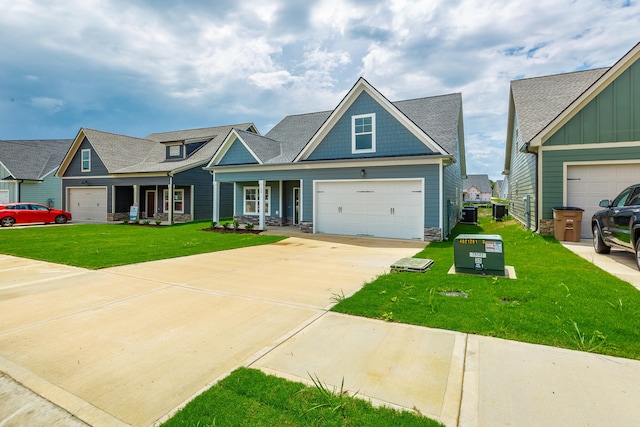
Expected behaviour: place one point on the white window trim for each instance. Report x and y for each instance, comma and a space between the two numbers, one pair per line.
88, 151
267, 192
165, 195
354, 150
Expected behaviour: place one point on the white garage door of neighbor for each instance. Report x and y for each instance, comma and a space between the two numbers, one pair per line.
588, 184
392, 209
4, 196
88, 204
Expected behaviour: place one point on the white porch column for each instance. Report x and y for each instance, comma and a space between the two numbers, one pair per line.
170, 196
216, 201
261, 203
281, 204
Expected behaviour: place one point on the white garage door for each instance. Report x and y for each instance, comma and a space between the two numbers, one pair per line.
588, 184
392, 209
88, 204
4, 196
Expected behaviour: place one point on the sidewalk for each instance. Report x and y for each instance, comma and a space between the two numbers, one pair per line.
619, 263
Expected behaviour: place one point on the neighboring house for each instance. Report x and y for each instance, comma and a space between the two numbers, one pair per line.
503, 190
27, 170
369, 167
104, 174
496, 188
572, 140
477, 188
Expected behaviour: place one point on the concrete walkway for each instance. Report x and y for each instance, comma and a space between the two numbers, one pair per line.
130, 345
619, 263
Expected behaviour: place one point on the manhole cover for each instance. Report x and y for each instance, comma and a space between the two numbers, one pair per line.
454, 294
412, 264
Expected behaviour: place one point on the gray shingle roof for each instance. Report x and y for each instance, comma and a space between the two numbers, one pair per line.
32, 159
480, 182
539, 100
263, 147
126, 154
295, 132
437, 116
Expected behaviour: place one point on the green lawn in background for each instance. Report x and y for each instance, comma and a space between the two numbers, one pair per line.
248, 397
105, 245
558, 299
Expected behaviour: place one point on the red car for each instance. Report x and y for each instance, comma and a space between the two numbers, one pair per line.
24, 213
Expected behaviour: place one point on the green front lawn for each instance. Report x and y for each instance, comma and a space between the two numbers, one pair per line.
105, 245
558, 299
248, 397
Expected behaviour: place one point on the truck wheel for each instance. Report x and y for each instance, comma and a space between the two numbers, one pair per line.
598, 244
638, 254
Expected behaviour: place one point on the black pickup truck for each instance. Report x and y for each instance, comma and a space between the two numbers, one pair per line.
618, 225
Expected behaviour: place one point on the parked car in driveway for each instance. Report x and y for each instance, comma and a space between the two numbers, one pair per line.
618, 225
25, 213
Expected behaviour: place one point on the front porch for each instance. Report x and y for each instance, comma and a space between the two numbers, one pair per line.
153, 203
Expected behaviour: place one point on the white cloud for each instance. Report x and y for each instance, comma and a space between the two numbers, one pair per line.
262, 60
48, 105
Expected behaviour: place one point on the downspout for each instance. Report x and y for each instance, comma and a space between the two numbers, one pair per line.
535, 153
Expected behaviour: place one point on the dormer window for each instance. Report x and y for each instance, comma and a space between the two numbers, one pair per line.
363, 133
175, 152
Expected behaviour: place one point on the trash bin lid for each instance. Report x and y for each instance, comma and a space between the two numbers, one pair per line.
567, 208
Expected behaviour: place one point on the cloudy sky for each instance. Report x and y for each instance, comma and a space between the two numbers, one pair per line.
137, 67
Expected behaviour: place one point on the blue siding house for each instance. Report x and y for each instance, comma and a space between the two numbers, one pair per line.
104, 174
370, 167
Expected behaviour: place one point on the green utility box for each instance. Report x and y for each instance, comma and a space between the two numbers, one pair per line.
479, 254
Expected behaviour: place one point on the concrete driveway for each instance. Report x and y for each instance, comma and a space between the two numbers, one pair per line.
127, 345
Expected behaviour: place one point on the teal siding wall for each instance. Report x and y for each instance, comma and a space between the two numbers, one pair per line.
522, 182
42, 192
613, 116
237, 155
392, 138
75, 166
552, 169
9, 186
429, 172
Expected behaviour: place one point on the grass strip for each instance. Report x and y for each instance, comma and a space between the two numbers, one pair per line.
97, 246
248, 397
558, 299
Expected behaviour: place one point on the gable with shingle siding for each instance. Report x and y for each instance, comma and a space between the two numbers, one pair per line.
394, 138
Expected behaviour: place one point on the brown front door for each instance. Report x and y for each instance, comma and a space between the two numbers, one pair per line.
151, 203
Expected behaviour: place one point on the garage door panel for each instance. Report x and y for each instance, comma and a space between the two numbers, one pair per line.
87, 204
372, 208
588, 184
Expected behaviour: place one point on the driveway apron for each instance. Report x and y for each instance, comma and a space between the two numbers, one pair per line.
129, 344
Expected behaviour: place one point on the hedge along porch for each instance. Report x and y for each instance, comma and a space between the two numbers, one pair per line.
366, 168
